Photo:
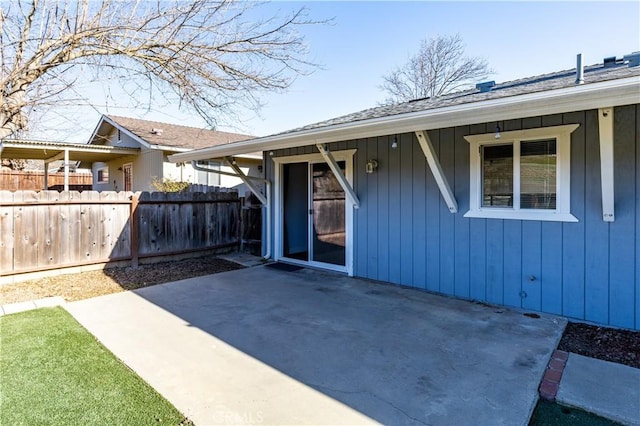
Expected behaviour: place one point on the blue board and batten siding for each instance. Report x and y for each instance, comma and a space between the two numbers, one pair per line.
405, 234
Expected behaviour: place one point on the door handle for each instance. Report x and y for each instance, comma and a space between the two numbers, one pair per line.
310, 212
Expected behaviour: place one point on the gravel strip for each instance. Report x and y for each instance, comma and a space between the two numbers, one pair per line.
609, 344
85, 285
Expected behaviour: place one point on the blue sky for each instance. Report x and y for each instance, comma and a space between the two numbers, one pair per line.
367, 39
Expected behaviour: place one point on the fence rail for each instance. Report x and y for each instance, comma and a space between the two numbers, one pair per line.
50, 230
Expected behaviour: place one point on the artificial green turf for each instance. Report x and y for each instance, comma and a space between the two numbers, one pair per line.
53, 372
551, 414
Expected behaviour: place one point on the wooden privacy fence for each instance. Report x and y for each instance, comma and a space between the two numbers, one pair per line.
21, 180
251, 225
49, 229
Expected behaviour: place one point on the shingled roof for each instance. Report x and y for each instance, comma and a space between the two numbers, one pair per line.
540, 83
616, 83
176, 136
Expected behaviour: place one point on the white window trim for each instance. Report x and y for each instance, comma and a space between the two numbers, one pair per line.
102, 169
215, 177
562, 213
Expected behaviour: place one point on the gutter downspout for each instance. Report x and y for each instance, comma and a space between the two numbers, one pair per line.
267, 183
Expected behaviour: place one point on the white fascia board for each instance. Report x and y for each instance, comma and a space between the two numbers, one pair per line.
95, 131
27, 145
576, 98
129, 133
169, 148
75, 147
180, 150
249, 157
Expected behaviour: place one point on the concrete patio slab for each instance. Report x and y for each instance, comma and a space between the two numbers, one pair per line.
260, 345
245, 259
605, 388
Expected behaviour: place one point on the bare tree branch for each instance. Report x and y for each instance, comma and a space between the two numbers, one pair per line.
439, 67
209, 55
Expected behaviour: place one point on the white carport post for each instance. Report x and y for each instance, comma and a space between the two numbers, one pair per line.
342, 180
436, 169
66, 169
48, 161
605, 124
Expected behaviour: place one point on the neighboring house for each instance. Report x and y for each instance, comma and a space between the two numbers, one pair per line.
524, 194
63, 156
155, 141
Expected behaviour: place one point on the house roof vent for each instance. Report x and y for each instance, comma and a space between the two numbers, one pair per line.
485, 86
579, 69
610, 61
156, 131
633, 58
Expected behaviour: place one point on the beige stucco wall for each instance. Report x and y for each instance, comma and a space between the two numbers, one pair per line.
145, 166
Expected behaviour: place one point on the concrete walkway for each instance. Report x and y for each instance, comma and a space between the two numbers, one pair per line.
605, 388
260, 345
245, 259
47, 302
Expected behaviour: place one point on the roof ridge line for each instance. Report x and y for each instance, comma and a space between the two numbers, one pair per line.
115, 117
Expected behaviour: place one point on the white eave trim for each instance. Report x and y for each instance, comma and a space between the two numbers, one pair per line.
249, 157
576, 98
61, 146
117, 126
166, 148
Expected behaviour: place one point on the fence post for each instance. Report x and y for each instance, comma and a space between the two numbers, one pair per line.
134, 226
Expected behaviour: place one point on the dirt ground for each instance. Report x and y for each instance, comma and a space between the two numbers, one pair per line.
85, 285
609, 344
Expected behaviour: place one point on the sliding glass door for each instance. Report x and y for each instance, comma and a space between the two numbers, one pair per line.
328, 216
313, 207
295, 211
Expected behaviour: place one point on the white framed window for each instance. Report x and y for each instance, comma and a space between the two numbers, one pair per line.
206, 178
522, 174
103, 175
